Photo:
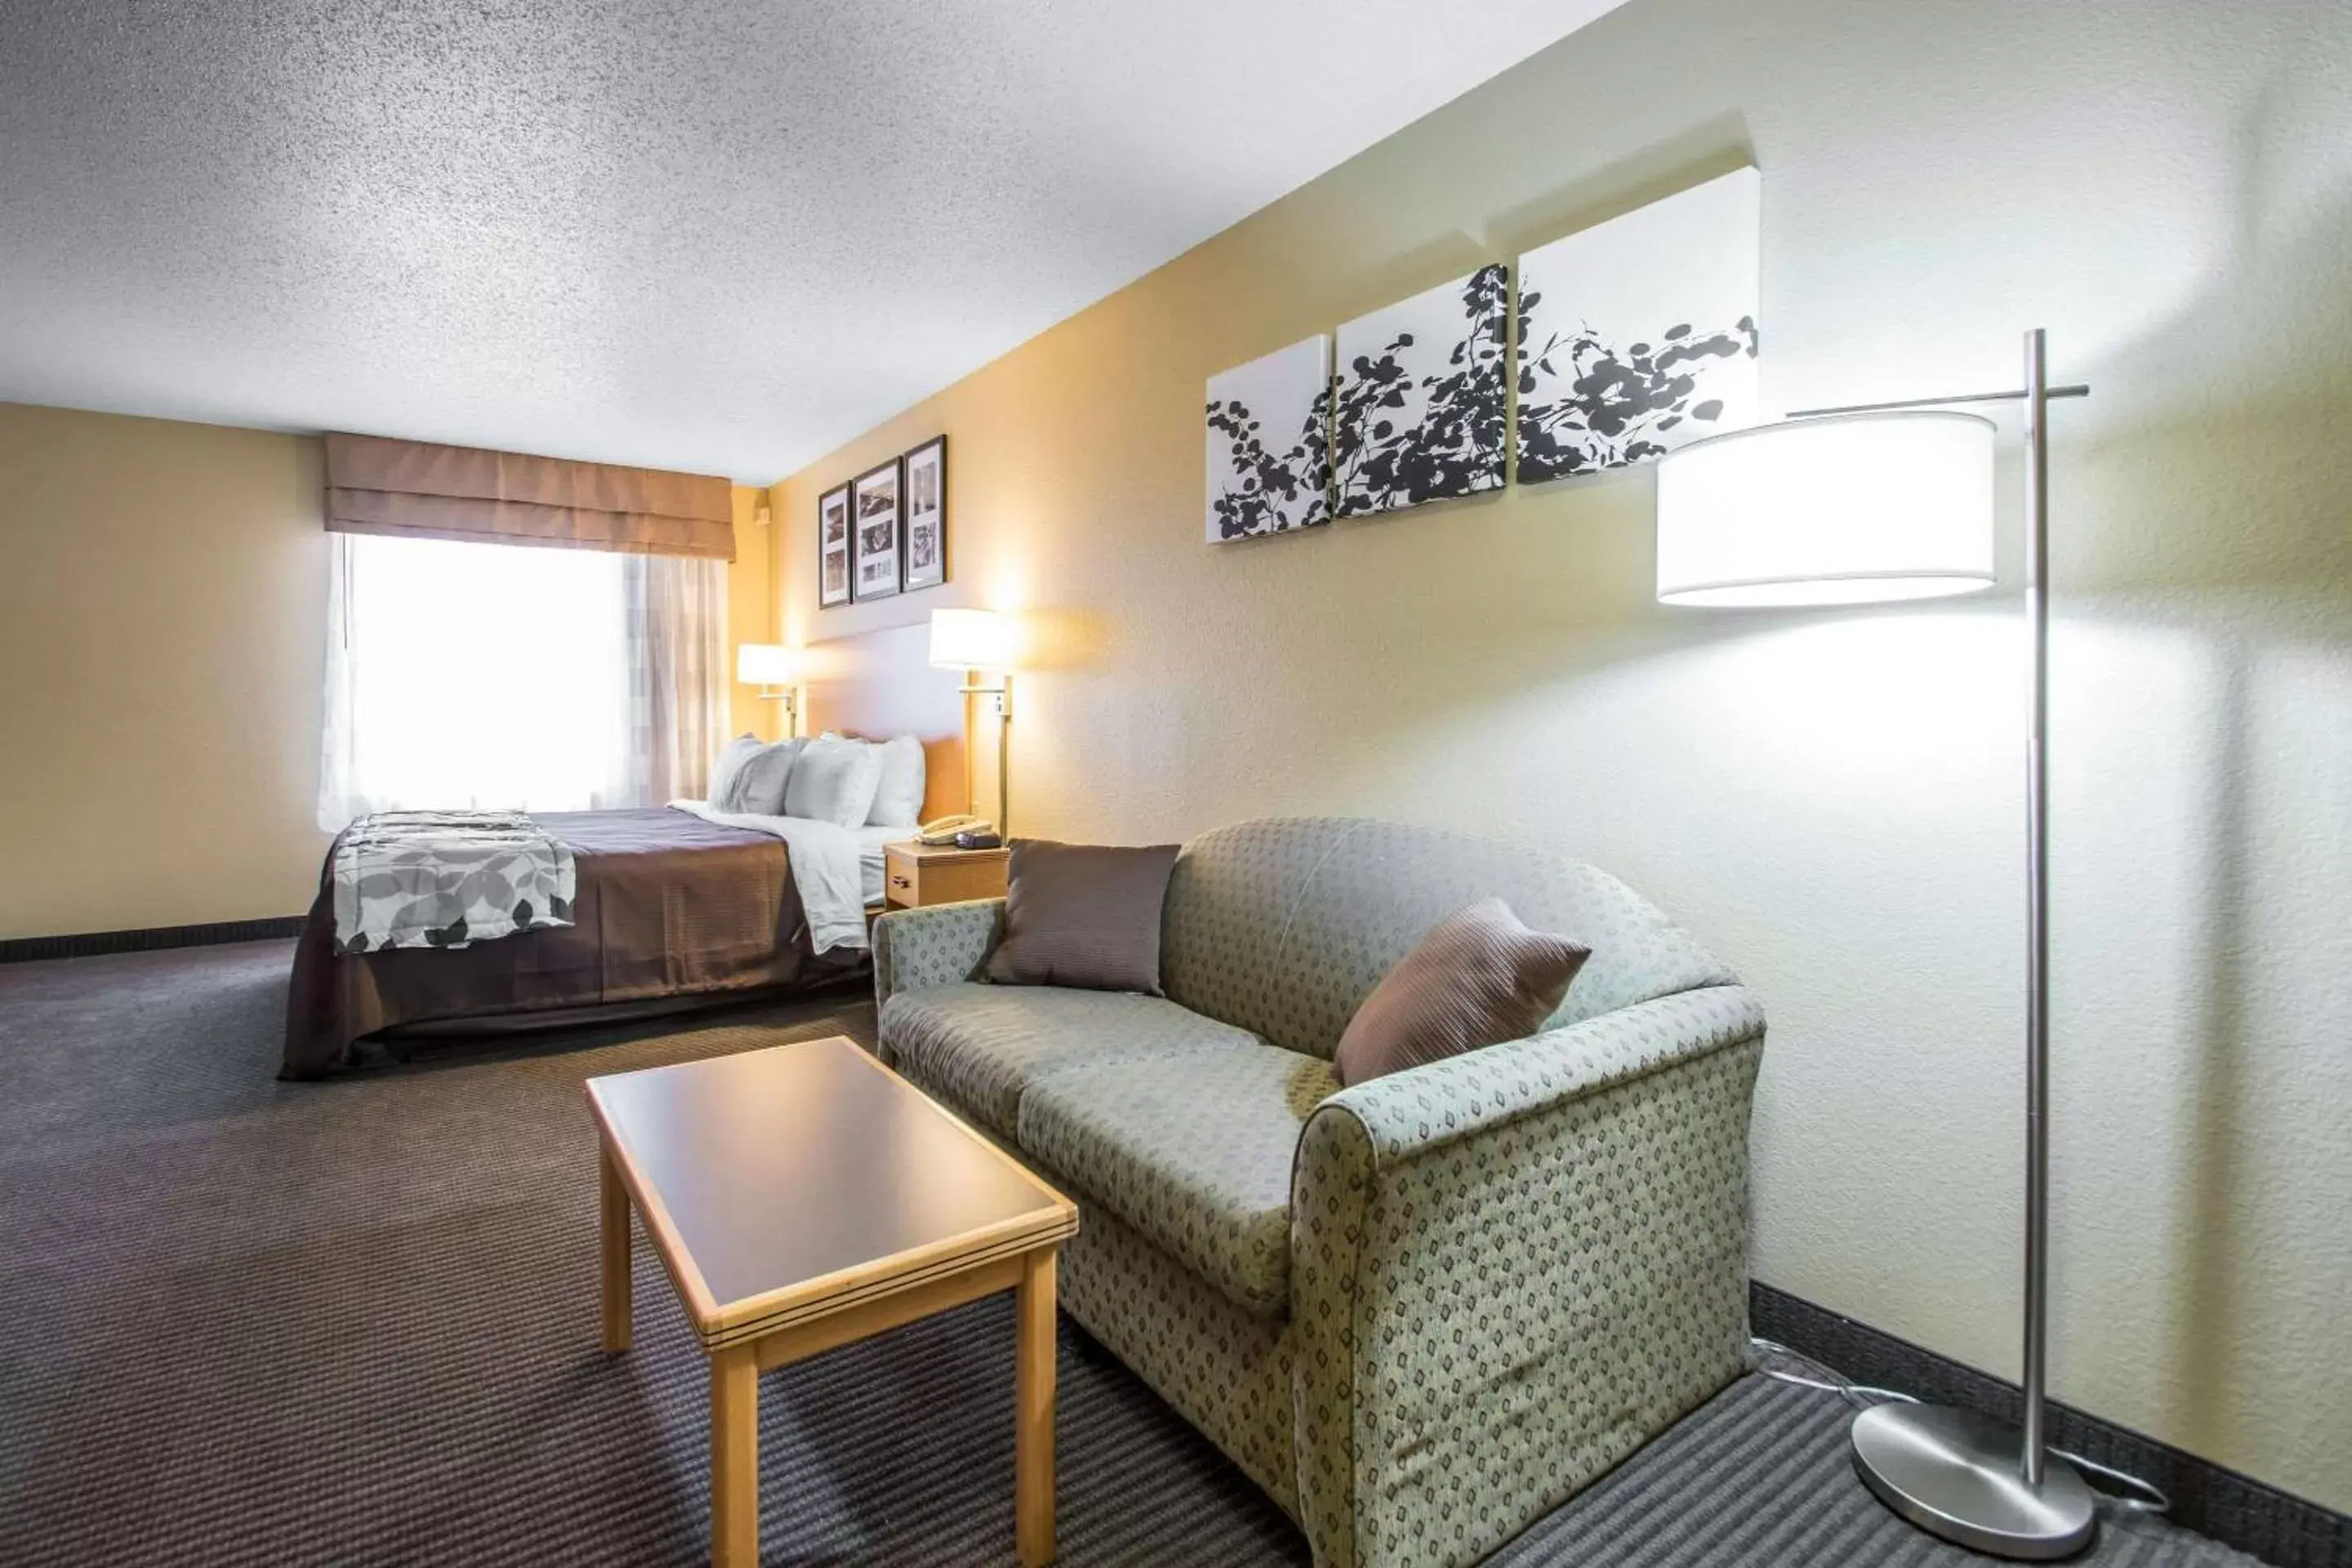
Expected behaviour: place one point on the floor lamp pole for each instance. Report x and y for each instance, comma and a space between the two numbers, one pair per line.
1969, 1479
2037, 908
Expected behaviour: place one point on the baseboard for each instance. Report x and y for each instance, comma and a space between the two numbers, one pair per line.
2234, 1509
92, 944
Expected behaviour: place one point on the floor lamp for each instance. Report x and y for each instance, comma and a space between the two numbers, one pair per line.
1895, 500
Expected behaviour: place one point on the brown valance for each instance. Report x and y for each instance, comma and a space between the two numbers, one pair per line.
420, 490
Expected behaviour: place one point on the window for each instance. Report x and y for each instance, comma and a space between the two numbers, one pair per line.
534, 678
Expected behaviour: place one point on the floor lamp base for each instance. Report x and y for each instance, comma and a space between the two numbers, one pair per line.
1954, 1473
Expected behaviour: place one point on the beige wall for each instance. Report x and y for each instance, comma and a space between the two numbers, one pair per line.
163, 624
162, 616
1829, 799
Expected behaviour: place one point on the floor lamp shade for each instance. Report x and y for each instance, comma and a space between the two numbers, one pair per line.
1839, 510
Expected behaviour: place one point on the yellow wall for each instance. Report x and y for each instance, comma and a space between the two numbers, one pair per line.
163, 624
751, 614
1830, 799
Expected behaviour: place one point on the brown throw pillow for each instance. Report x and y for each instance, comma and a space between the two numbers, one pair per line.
1083, 915
1478, 978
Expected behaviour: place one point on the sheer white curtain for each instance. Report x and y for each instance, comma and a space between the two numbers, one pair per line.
675, 607
541, 679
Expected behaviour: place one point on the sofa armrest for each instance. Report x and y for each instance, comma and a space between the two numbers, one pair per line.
937, 945
1483, 1089
1512, 1267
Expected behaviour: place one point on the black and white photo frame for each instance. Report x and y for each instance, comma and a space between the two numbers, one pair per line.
875, 514
833, 548
923, 489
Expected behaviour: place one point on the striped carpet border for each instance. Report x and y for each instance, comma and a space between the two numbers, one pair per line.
2215, 1501
149, 939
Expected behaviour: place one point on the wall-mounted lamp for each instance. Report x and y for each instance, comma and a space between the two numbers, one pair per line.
775, 670
978, 641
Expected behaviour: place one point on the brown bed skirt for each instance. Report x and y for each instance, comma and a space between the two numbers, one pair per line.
668, 907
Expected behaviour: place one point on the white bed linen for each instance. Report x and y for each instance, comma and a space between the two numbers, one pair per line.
870, 840
826, 865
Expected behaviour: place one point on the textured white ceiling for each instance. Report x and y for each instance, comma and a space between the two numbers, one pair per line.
721, 237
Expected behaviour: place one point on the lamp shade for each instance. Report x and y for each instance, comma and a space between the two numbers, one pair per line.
1838, 511
767, 664
970, 639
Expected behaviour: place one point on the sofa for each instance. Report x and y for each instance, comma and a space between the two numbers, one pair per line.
1419, 1311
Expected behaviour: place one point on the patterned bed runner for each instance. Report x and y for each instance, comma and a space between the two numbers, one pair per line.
446, 878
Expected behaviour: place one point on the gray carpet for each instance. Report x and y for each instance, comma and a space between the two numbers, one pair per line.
250, 1322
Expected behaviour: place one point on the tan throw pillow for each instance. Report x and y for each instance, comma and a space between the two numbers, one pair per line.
1082, 915
1478, 978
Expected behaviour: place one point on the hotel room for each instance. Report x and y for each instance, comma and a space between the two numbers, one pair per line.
1360, 784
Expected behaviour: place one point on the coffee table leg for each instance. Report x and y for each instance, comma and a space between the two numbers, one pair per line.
613, 1204
735, 1459
1033, 1430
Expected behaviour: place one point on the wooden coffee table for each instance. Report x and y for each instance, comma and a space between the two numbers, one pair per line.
805, 1197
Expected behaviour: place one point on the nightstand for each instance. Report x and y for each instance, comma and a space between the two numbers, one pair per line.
917, 874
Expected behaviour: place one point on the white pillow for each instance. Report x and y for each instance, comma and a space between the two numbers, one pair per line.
765, 779
728, 768
833, 781
750, 776
898, 799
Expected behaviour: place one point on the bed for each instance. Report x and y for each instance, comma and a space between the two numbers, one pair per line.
673, 911
670, 908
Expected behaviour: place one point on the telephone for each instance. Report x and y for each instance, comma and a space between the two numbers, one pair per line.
945, 830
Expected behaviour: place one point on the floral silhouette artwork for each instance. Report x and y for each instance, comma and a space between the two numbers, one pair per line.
1639, 335
1269, 443
1419, 413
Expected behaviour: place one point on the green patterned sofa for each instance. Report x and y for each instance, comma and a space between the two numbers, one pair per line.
1420, 1311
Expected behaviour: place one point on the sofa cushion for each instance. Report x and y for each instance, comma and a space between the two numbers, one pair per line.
1283, 927
1083, 915
1192, 1151
983, 1047
1478, 978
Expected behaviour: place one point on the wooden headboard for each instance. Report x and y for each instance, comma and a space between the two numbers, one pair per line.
881, 684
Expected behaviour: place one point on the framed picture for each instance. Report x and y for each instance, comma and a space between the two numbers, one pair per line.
833, 548
874, 532
1639, 335
925, 473
1269, 444
1423, 386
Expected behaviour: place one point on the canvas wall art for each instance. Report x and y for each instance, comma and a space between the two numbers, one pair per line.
833, 547
1269, 443
1419, 413
1639, 335
925, 471
873, 503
